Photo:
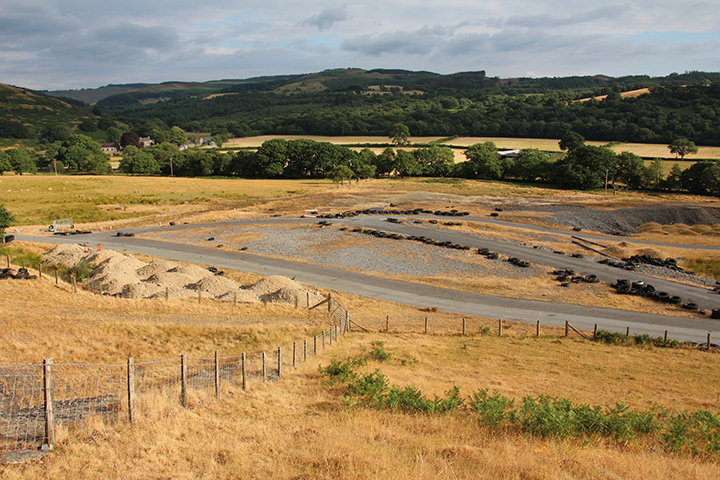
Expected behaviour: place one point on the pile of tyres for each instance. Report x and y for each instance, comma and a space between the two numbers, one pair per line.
518, 262
487, 253
21, 274
399, 236
566, 276
381, 211
631, 263
626, 287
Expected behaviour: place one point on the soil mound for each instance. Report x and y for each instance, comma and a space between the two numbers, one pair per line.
627, 221
273, 283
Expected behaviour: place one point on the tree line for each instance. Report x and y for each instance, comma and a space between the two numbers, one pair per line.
582, 166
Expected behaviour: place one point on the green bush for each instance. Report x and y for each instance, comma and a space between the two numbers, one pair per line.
492, 410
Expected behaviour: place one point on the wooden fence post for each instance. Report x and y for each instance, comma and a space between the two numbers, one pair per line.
305, 350
234, 298
279, 361
167, 293
183, 380
217, 374
426, 325
666, 334
387, 323
330, 302
49, 417
537, 329
74, 285
294, 353
595, 332
314, 344
627, 332
567, 328
708, 341
330, 335
499, 327
40, 270
347, 318
244, 372
323, 340
264, 367
131, 389
464, 326
56, 276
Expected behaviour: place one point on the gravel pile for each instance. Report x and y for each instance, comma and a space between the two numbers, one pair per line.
117, 274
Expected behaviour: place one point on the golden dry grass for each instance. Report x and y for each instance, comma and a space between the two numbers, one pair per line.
547, 144
297, 428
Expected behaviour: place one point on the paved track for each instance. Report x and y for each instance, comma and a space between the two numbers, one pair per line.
528, 311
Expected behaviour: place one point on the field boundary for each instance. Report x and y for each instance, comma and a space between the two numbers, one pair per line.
44, 403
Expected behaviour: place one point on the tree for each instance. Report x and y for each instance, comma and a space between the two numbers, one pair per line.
4, 162
385, 162
6, 219
531, 165
702, 178
130, 138
21, 161
570, 141
435, 161
399, 134
483, 162
682, 146
653, 174
629, 170
584, 167
673, 182
406, 165
177, 136
138, 162
340, 173
81, 153
113, 135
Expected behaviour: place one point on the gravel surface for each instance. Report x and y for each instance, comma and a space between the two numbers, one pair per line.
369, 254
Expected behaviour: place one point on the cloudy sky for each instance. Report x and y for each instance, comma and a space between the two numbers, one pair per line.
55, 44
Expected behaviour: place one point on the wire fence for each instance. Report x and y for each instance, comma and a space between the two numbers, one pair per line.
44, 403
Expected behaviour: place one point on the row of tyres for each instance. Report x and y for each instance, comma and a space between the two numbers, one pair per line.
21, 274
381, 211
624, 286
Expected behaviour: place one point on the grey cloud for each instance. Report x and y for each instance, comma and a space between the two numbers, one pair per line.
327, 18
552, 21
421, 42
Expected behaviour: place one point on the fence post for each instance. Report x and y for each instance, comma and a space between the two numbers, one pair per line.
464, 326
627, 332
330, 302
167, 293
217, 374
426, 325
244, 371
330, 335
131, 388
708, 341
336, 332
387, 323
537, 329
234, 298
567, 328
595, 332
264, 367
74, 285
347, 318
323, 340
279, 360
314, 344
499, 327
183, 380
294, 357
56, 276
666, 334
40, 270
49, 417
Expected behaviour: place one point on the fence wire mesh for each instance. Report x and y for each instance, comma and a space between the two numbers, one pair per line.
41, 404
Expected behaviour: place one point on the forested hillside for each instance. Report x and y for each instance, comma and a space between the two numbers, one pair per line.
344, 102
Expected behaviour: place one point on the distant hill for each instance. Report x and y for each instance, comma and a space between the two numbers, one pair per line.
93, 95
26, 114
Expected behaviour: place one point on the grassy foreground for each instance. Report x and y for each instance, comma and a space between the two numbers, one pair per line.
299, 427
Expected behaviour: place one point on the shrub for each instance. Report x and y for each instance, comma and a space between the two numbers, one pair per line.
492, 409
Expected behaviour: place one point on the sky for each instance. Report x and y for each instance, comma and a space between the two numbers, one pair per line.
71, 44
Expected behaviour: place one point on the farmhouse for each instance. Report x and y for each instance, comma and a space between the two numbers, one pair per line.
110, 148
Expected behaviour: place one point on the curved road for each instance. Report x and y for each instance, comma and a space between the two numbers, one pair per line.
465, 303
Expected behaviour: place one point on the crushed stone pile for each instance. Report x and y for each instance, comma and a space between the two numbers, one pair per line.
122, 275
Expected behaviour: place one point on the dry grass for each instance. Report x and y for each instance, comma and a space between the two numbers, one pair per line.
298, 429
547, 144
43, 320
